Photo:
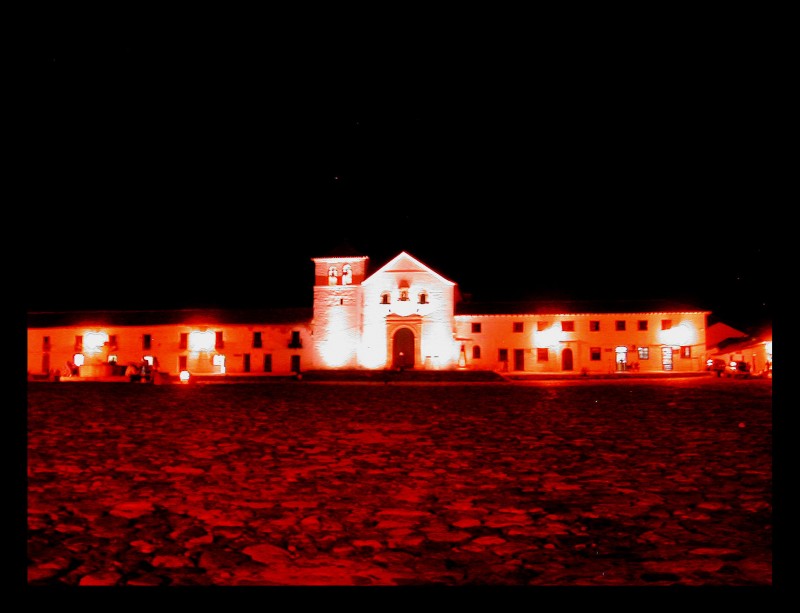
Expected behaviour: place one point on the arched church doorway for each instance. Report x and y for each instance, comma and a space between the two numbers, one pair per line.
403, 349
566, 359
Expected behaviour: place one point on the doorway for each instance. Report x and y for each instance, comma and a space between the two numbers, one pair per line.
403, 349
519, 359
566, 359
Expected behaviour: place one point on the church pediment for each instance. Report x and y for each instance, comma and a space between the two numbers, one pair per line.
405, 264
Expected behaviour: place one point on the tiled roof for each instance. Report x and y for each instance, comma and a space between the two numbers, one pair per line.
289, 315
737, 343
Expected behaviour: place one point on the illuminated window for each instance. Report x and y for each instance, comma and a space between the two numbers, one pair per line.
686, 351
666, 324
147, 341
333, 275
518, 326
403, 295
385, 298
256, 340
267, 362
219, 343
218, 360
502, 355
79, 342
641, 325
541, 326
568, 326
347, 274
619, 325
112, 359
595, 353
423, 298
644, 353
476, 328
184, 342
594, 326
476, 352
542, 354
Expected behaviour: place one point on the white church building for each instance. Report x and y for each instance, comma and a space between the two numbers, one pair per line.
404, 315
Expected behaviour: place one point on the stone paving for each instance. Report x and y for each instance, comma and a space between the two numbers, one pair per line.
297, 483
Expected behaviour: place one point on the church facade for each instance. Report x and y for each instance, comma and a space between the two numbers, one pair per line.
404, 315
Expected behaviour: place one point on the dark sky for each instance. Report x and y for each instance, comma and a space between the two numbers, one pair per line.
208, 172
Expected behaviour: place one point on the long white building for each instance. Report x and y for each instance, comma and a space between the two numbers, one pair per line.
403, 315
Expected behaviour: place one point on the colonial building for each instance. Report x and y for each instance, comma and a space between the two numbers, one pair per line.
404, 315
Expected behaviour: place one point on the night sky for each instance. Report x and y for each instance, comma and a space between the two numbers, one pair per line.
207, 173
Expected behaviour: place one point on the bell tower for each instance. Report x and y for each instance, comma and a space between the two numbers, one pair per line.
338, 298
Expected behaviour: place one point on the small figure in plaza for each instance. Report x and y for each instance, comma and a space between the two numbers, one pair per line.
132, 372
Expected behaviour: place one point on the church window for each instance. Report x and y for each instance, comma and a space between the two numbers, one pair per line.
403, 295
347, 274
385, 298
333, 275
423, 298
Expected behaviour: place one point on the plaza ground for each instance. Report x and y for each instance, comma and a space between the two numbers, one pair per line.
374, 483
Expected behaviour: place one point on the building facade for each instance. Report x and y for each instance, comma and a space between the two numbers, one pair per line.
402, 316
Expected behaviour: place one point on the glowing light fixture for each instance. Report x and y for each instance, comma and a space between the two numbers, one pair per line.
202, 341
184, 376
679, 336
94, 341
78, 359
548, 337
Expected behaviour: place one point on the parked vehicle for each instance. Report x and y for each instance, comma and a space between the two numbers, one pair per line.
738, 370
716, 365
